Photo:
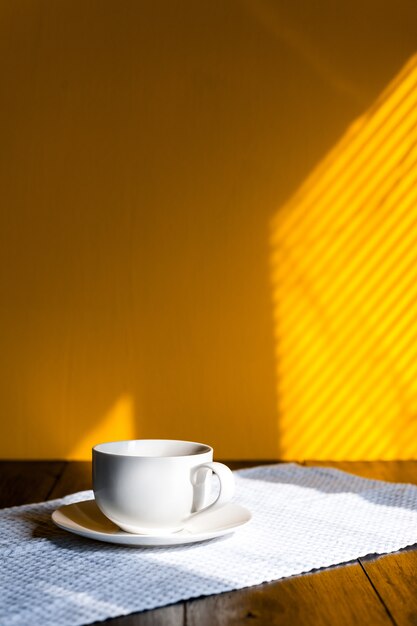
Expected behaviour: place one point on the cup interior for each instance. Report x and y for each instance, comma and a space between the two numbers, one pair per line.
157, 448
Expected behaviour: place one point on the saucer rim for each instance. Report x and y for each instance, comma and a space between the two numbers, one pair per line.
122, 537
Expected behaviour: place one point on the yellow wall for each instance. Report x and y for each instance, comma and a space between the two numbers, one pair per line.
345, 291
145, 151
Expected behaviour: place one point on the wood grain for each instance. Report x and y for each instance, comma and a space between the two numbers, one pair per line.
22, 482
394, 577
76, 476
340, 595
236, 465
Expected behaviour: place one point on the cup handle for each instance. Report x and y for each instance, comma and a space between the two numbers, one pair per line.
226, 482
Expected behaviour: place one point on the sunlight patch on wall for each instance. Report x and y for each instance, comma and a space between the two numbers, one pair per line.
117, 424
344, 267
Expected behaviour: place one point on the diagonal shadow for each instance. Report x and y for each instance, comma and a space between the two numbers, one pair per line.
344, 259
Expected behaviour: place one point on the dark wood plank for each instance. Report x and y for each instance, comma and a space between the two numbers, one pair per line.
394, 577
76, 476
22, 482
338, 595
236, 465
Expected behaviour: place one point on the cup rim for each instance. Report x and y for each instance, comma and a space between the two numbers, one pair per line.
205, 449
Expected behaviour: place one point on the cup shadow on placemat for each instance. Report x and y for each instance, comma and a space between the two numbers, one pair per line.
62, 538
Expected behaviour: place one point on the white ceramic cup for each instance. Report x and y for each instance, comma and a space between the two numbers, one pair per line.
153, 486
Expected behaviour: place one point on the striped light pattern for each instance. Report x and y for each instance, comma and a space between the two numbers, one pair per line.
344, 266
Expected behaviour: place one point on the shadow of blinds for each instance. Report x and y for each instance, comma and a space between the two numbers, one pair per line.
344, 273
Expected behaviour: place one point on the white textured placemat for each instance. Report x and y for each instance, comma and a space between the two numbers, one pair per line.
303, 518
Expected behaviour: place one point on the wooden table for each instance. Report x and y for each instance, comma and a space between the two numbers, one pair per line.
371, 590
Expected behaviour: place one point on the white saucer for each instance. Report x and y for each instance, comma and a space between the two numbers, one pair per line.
85, 519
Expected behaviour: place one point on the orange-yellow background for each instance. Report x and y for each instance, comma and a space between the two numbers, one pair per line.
165, 269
